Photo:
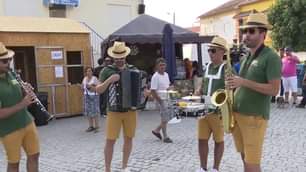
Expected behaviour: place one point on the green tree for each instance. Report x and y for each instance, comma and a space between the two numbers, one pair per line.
288, 18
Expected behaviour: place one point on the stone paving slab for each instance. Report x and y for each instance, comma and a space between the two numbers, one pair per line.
66, 147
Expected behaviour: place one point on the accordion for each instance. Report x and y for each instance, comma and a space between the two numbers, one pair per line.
128, 92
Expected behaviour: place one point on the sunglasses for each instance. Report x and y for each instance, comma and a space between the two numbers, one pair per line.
5, 61
249, 30
212, 50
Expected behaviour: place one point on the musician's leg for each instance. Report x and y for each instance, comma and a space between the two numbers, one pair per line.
204, 133
203, 152
237, 136
253, 132
129, 128
108, 154
31, 147
127, 148
33, 163
12, 146
218, 153
113, 126
13, 167
215, 123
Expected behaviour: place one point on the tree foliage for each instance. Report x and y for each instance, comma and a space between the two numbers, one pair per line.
288, 18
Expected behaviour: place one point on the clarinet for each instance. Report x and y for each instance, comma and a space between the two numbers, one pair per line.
38, 105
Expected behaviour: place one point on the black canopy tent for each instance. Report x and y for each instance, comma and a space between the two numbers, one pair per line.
146, 29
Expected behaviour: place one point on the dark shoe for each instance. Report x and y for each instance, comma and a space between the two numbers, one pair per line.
90, 129
300, 106
167, 140
158, 135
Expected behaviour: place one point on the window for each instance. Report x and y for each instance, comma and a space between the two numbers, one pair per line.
57, 11
75, 67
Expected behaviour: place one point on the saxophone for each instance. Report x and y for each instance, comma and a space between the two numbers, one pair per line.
224, 99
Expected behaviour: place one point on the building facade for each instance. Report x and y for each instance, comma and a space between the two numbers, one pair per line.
101, 17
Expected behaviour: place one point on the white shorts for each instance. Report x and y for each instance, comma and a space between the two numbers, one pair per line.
290, 84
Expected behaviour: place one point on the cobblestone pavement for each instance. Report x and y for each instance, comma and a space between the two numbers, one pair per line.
66, 147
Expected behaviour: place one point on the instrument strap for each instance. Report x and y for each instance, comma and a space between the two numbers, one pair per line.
248, 63
212, 77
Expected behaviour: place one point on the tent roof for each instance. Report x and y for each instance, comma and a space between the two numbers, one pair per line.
40, 25
148, 29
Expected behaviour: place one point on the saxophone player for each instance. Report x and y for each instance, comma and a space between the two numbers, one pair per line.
258, 80
17, 128
211, 124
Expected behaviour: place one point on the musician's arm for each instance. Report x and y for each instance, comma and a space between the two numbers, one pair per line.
271, 88
101, 88
8, 111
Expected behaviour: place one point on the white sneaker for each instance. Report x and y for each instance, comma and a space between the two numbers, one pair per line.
201, 170
214, 170
126, 170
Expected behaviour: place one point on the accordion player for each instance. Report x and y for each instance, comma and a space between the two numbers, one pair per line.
128, 92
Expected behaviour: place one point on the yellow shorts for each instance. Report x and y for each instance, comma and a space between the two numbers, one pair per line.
26, 137
114, 120
249, 133
211, 123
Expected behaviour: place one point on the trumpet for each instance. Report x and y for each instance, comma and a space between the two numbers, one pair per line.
37, 105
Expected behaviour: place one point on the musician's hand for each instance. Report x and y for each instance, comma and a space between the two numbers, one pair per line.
114, 78
28, 86
28, 100
233, 82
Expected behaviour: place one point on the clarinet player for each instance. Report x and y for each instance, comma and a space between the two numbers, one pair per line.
17, 129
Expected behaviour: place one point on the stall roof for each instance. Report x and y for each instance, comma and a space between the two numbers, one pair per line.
148, 29
40, 25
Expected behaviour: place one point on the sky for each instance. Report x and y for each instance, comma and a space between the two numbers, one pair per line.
186, 11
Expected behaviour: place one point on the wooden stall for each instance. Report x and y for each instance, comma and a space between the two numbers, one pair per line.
51, 54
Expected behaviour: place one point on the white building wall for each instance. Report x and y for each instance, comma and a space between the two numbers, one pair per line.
23, 8
104, 16
222, 25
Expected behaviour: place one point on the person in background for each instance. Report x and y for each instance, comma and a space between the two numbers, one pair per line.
197, 79
160, 83
303, 101
281, 92
188, 68
91, 100
103, 101
289, 76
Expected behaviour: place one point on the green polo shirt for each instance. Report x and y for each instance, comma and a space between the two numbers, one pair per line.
216, 83
10, 95
265, 67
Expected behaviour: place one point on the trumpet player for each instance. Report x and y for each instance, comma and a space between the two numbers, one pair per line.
211, 124
17, 128
258, 80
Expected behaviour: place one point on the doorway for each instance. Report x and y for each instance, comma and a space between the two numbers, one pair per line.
24, 64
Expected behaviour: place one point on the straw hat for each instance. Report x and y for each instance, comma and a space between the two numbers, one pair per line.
118, 50
218, 42
257, 20
5, 53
